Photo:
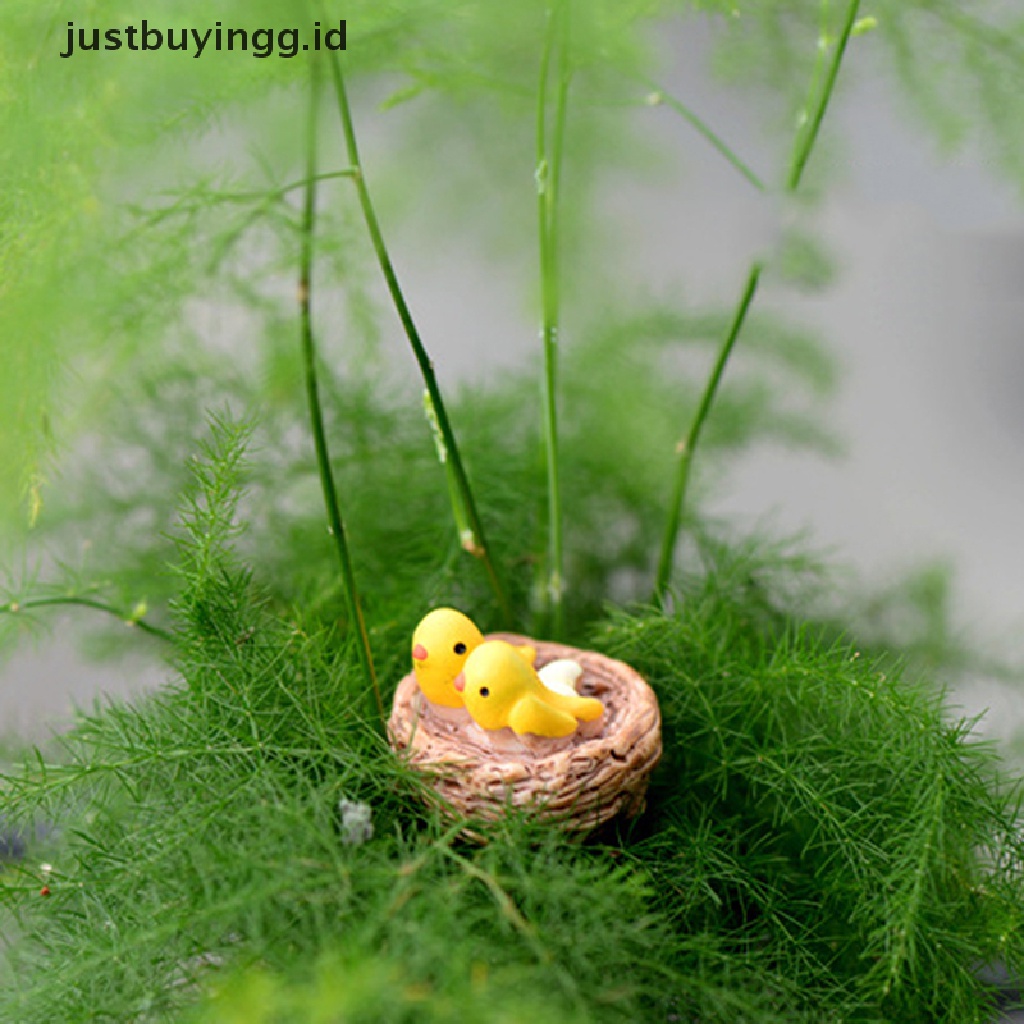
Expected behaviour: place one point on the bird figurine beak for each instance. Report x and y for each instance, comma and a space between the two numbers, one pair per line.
419, 652
459, 682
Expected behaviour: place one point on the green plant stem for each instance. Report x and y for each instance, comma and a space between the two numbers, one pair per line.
803, 146
708, 133
454, 495
313, 397
549, 167
282, 190
689, 444
806, 140
76, 601
477, 545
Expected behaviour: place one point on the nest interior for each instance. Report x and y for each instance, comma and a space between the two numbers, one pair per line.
583, 781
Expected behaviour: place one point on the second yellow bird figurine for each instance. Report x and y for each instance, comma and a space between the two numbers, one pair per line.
442, 642
501, 689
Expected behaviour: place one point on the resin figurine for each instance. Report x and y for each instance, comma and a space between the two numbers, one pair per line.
504, 721
501, 690
443, 641
441, 644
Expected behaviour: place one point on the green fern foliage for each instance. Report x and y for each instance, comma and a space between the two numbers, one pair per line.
823, 840
818, 835
142, 187
819, 781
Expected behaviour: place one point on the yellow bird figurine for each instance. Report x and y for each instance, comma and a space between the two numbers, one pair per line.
500, 689
442, 642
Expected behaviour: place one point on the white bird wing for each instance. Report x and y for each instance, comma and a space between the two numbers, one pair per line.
561, 676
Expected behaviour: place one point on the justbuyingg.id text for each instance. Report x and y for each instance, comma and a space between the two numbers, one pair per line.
259, 42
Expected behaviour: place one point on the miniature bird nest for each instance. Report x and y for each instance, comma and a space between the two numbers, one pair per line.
583, 782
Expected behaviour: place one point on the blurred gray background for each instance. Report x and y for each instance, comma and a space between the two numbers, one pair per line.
926, 319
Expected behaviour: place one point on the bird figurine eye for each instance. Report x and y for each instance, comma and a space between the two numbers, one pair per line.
484, 692
460, 648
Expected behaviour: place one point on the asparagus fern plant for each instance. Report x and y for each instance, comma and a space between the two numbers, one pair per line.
199, 450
